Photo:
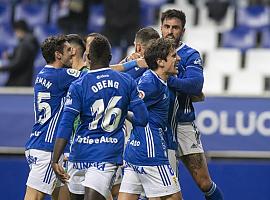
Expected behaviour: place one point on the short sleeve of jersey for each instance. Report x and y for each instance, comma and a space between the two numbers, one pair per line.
73, 99
148, 91
194, 60
67, 77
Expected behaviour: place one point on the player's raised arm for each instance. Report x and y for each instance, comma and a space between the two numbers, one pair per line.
192, 83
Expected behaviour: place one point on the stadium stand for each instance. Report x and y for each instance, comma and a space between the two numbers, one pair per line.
34, 13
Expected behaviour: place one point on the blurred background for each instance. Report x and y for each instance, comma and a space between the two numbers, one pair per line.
233, 37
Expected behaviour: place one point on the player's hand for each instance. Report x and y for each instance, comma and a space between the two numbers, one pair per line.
198, 98
133, 56
141, 63
60, 172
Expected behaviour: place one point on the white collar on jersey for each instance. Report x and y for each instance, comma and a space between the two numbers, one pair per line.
164, 82
181, 46
98, 70
49, 66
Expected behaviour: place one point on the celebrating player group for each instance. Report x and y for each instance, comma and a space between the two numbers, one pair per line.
106, 131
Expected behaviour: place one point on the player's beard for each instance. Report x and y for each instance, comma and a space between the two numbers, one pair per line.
176, 40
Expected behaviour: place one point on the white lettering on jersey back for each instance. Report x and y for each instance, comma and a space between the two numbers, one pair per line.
44, 82
104, 84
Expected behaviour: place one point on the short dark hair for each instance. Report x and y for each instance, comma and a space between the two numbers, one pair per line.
100, 51
52, 44
145, 35
173, 13
158, 49
94, 34
77, 40
21, 25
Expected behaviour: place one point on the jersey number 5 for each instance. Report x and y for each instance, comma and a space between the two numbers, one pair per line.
110, 116
43, 106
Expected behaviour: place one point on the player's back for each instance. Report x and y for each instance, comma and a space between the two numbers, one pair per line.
50, 89
104, 96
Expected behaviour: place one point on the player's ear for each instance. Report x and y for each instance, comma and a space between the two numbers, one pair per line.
137, 48
160, 62
183, 32
57, 55
74, 50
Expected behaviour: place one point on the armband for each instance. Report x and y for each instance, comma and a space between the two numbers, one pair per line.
129, 65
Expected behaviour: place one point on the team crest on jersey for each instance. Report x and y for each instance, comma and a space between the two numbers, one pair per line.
198, 61
141, 94
73, 72
68, 99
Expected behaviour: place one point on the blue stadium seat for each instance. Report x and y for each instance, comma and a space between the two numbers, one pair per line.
256, 16
7, 40
5, 12
96, 19
33, 13
43, 31
242, 38
117, 53
149, 9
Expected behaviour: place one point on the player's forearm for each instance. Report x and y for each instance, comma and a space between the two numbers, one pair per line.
66, 125
192, 84
59, 147
140, 115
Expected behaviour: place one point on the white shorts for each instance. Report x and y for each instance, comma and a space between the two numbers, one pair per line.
173, 161
189, 139
76, 178
119, 175
155, 181
97, 176
41, 176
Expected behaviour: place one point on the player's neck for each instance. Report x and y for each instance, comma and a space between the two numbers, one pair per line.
95, 67
161, 74
78, 64
56, 64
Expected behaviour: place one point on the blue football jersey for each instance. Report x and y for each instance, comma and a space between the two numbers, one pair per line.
136, 72
170, 134
50, 89
102, 99
146, 145
190, 63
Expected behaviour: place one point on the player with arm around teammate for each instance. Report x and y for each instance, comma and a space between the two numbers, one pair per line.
189, 82
102, 98
147, 167
50, 89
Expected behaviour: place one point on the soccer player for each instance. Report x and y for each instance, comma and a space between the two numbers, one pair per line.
189, 82
134, 66
147, 167
102, 98
50, 89
143, 38
78, 48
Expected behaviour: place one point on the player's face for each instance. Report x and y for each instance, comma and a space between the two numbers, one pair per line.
139, 48
170, 66
172, 28
66, 58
